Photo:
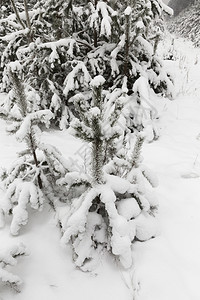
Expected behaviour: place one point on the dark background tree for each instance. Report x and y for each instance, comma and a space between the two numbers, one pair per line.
179, 5
186, 24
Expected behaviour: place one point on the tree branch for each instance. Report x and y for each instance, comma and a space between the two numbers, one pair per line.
17, 14
27, 15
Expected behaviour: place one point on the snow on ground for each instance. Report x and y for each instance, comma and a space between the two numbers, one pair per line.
48, 271
167, 267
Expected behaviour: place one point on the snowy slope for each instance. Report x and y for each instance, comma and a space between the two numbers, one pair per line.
167, 267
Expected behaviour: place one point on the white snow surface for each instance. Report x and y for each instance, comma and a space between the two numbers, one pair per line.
166, 267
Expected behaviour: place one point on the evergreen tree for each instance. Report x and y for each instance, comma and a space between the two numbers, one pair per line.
111, 204
31, 179
113, 208
15, 32
74, 41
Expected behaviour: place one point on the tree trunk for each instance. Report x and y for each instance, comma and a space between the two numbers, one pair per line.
95, 30
97, 144
127, 46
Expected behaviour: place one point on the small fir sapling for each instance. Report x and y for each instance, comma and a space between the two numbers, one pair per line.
15, 32
8, 257
114, 210
31, 179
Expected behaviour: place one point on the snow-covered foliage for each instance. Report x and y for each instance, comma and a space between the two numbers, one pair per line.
32, 177
114, 40
8, 257
29, 185
138, 42
15, 31
114, 208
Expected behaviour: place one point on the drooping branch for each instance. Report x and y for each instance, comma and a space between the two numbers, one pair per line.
22, 104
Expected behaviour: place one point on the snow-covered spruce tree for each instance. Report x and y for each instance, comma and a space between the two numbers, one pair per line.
31, 179
113, 208
124, 41
15, 32
20, 27
4, 13
74, 41
145, 75
8, 257
26, 35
